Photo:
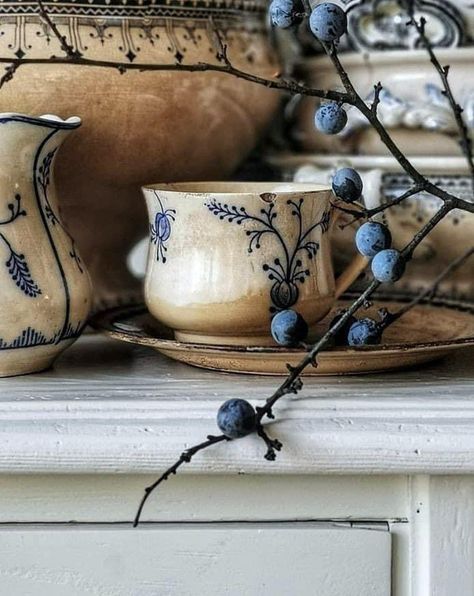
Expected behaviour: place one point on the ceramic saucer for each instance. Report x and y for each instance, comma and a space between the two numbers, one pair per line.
424, 334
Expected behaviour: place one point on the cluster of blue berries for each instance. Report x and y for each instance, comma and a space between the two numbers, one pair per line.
328, 22
373, 240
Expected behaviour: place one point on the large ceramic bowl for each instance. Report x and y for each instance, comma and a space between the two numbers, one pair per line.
138, 126
384, 180
413, 109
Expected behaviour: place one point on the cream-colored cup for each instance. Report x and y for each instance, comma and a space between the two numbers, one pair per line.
225, 256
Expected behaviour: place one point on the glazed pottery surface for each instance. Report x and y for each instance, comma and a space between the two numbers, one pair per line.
412, 105
161, 125
375, 25
225, 257
423, 334
44, 287
384, 181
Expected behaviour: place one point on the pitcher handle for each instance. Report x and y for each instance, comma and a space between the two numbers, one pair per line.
355, 267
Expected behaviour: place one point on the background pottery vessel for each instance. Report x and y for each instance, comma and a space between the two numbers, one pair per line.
381, 25
384, 180
225, 256
138, 126
44, 287
412, 106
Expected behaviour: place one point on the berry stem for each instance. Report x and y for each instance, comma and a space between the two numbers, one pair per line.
185, 457
429, 293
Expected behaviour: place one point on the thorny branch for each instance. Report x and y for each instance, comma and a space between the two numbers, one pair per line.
429, 293
443, 72
184, 458
71, 52
292, 383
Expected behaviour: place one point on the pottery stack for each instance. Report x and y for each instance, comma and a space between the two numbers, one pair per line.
380, 47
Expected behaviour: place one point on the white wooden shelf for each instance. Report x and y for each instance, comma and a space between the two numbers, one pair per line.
108, 407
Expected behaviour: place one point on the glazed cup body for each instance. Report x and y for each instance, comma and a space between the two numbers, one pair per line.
225, 257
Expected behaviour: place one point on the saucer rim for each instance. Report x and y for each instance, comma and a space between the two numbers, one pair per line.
103, 321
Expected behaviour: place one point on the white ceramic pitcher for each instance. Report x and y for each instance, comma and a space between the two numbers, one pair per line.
45, 292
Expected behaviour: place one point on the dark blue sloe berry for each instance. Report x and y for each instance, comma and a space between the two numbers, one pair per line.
372, 237
289, 328
364, 332
286, 13
328, 22
330, 118
347, 185
236, 418
388, 265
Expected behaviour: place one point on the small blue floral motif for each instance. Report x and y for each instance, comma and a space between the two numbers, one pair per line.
17, 264
160, 231
287, 271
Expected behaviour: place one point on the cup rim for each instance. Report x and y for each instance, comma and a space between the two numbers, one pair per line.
247, 188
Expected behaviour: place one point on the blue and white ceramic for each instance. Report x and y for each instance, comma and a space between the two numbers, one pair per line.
44, 288
224, 257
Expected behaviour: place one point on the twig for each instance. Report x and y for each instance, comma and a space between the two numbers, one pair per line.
375, 103
67, 48
443, 71
430, 292
184, 458
409, 249
10, 71
288, 86
273, 445
356, 100
310, 357
368, 213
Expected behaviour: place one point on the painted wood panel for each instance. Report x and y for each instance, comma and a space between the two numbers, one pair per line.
114, 498
190, 560
110, 408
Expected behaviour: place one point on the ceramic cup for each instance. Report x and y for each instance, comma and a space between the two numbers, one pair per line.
225, 256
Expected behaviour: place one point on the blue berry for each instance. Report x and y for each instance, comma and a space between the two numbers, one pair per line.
330, 118
289, 328
328, 22
236, 418
340, 337
372, 237
364, 332
388, 265
347, 185
286, 13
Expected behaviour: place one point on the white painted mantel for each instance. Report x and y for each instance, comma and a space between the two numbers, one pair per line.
376, 475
